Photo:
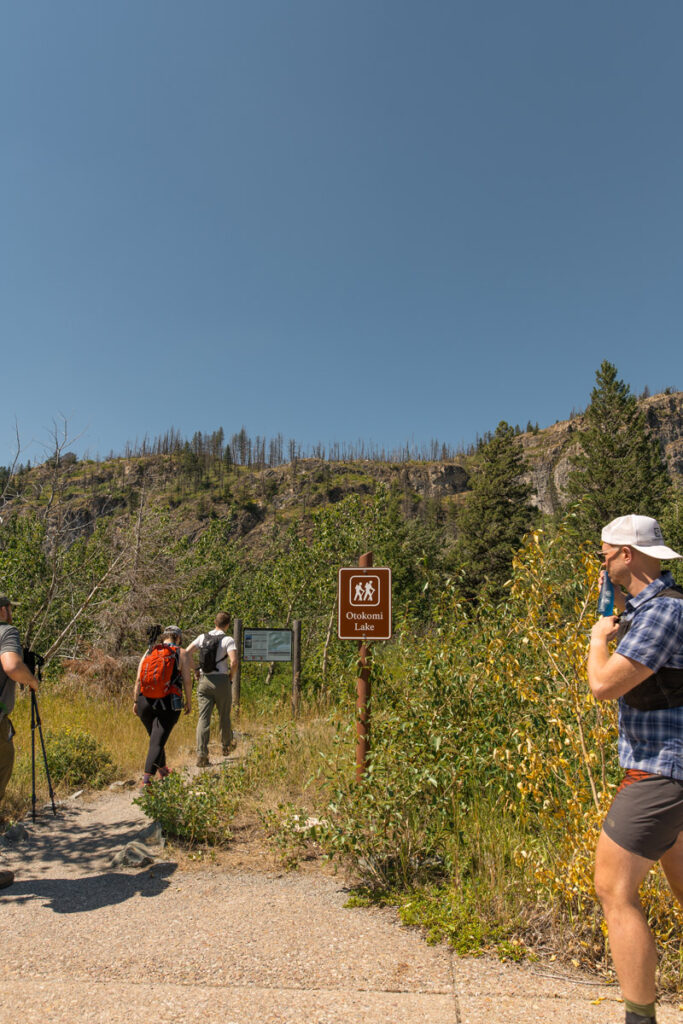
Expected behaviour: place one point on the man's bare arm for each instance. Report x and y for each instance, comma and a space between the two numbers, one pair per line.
611, 676
186, 675
15, 668
233, 664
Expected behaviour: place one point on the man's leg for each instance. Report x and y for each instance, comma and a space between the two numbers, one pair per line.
6, 753
6, 765
672, 865
224, 704
205, 702
618, 877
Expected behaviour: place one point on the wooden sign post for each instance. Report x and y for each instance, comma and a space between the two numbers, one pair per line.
364, 614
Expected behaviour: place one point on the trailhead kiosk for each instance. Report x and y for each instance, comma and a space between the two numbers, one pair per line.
272, 645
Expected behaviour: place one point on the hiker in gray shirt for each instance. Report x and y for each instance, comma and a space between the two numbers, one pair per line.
217, 664
12, 671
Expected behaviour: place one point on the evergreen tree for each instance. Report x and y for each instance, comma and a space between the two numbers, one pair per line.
496, 516
671, 521
620, 468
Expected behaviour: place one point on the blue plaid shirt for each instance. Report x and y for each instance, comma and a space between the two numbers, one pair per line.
653, 740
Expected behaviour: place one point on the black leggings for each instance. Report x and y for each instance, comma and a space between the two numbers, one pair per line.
158, 719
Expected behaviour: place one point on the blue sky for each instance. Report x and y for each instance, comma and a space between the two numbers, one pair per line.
334, 219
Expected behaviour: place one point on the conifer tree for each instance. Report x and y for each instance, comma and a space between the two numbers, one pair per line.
496, 516
619, 468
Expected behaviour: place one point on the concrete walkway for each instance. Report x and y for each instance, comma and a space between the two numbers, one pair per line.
85, 942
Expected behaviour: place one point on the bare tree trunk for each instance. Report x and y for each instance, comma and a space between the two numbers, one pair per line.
84, 605
328, 640
138, 532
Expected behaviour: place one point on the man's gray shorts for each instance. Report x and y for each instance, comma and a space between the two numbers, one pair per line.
646, 816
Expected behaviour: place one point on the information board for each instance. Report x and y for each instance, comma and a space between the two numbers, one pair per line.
266, 645
364, 604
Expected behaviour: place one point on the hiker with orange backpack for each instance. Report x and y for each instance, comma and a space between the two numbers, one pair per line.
158, 697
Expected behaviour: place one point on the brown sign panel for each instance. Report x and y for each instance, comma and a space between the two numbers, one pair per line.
364, 604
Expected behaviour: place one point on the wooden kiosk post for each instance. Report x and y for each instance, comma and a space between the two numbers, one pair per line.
237, 681
296, 667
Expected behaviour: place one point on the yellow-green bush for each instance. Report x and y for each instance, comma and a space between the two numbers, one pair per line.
485, 735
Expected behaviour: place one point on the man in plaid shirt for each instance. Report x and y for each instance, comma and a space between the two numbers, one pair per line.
645, 822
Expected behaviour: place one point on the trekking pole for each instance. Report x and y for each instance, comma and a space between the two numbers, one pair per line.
33, 757
36, 713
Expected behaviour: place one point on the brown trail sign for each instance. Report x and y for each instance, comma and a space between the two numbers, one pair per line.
364, 602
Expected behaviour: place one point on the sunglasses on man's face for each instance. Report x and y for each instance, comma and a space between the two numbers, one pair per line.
602, 556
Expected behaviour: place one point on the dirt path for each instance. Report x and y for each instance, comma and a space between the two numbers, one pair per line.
85, 941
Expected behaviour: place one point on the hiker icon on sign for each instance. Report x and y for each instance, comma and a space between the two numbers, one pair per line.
364, 590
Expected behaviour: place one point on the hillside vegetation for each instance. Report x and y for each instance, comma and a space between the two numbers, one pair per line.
491, 764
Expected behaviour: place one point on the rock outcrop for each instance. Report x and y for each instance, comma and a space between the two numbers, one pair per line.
549, 451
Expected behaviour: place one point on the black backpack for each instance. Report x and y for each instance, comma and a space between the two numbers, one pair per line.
208, 652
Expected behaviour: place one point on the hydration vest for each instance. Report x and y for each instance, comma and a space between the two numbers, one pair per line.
664, 688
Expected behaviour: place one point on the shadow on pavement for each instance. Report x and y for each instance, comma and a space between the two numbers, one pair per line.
72, 842
80, 895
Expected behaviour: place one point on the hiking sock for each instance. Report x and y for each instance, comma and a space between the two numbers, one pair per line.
639, 1013
163, 772
146, 778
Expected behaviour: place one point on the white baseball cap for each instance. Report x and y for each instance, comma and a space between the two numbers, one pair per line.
639, 532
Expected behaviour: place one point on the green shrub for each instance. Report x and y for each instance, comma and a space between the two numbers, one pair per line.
197, 810
75, 758
200, 810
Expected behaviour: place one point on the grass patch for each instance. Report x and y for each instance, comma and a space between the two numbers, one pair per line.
90, 741
459, 916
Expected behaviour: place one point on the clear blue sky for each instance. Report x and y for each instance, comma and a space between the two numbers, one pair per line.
334, 219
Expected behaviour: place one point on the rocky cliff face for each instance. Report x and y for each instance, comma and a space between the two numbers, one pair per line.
548, 452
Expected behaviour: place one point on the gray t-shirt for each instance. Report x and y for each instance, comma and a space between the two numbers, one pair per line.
9, 642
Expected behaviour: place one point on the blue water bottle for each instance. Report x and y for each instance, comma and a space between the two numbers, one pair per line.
606, 598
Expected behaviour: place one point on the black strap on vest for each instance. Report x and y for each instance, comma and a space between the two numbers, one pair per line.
663, 689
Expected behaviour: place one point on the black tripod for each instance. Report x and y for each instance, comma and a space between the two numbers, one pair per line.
35, 721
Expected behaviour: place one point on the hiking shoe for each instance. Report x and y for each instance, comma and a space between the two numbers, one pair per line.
6, 878
203, 762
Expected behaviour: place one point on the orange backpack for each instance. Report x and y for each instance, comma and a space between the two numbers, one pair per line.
159, 672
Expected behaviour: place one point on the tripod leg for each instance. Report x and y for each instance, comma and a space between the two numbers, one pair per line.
33, 755
42, 744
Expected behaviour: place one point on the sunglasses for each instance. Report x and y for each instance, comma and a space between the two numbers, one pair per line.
602, 556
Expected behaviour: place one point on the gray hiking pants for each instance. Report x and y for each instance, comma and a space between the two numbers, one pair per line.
213, 688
